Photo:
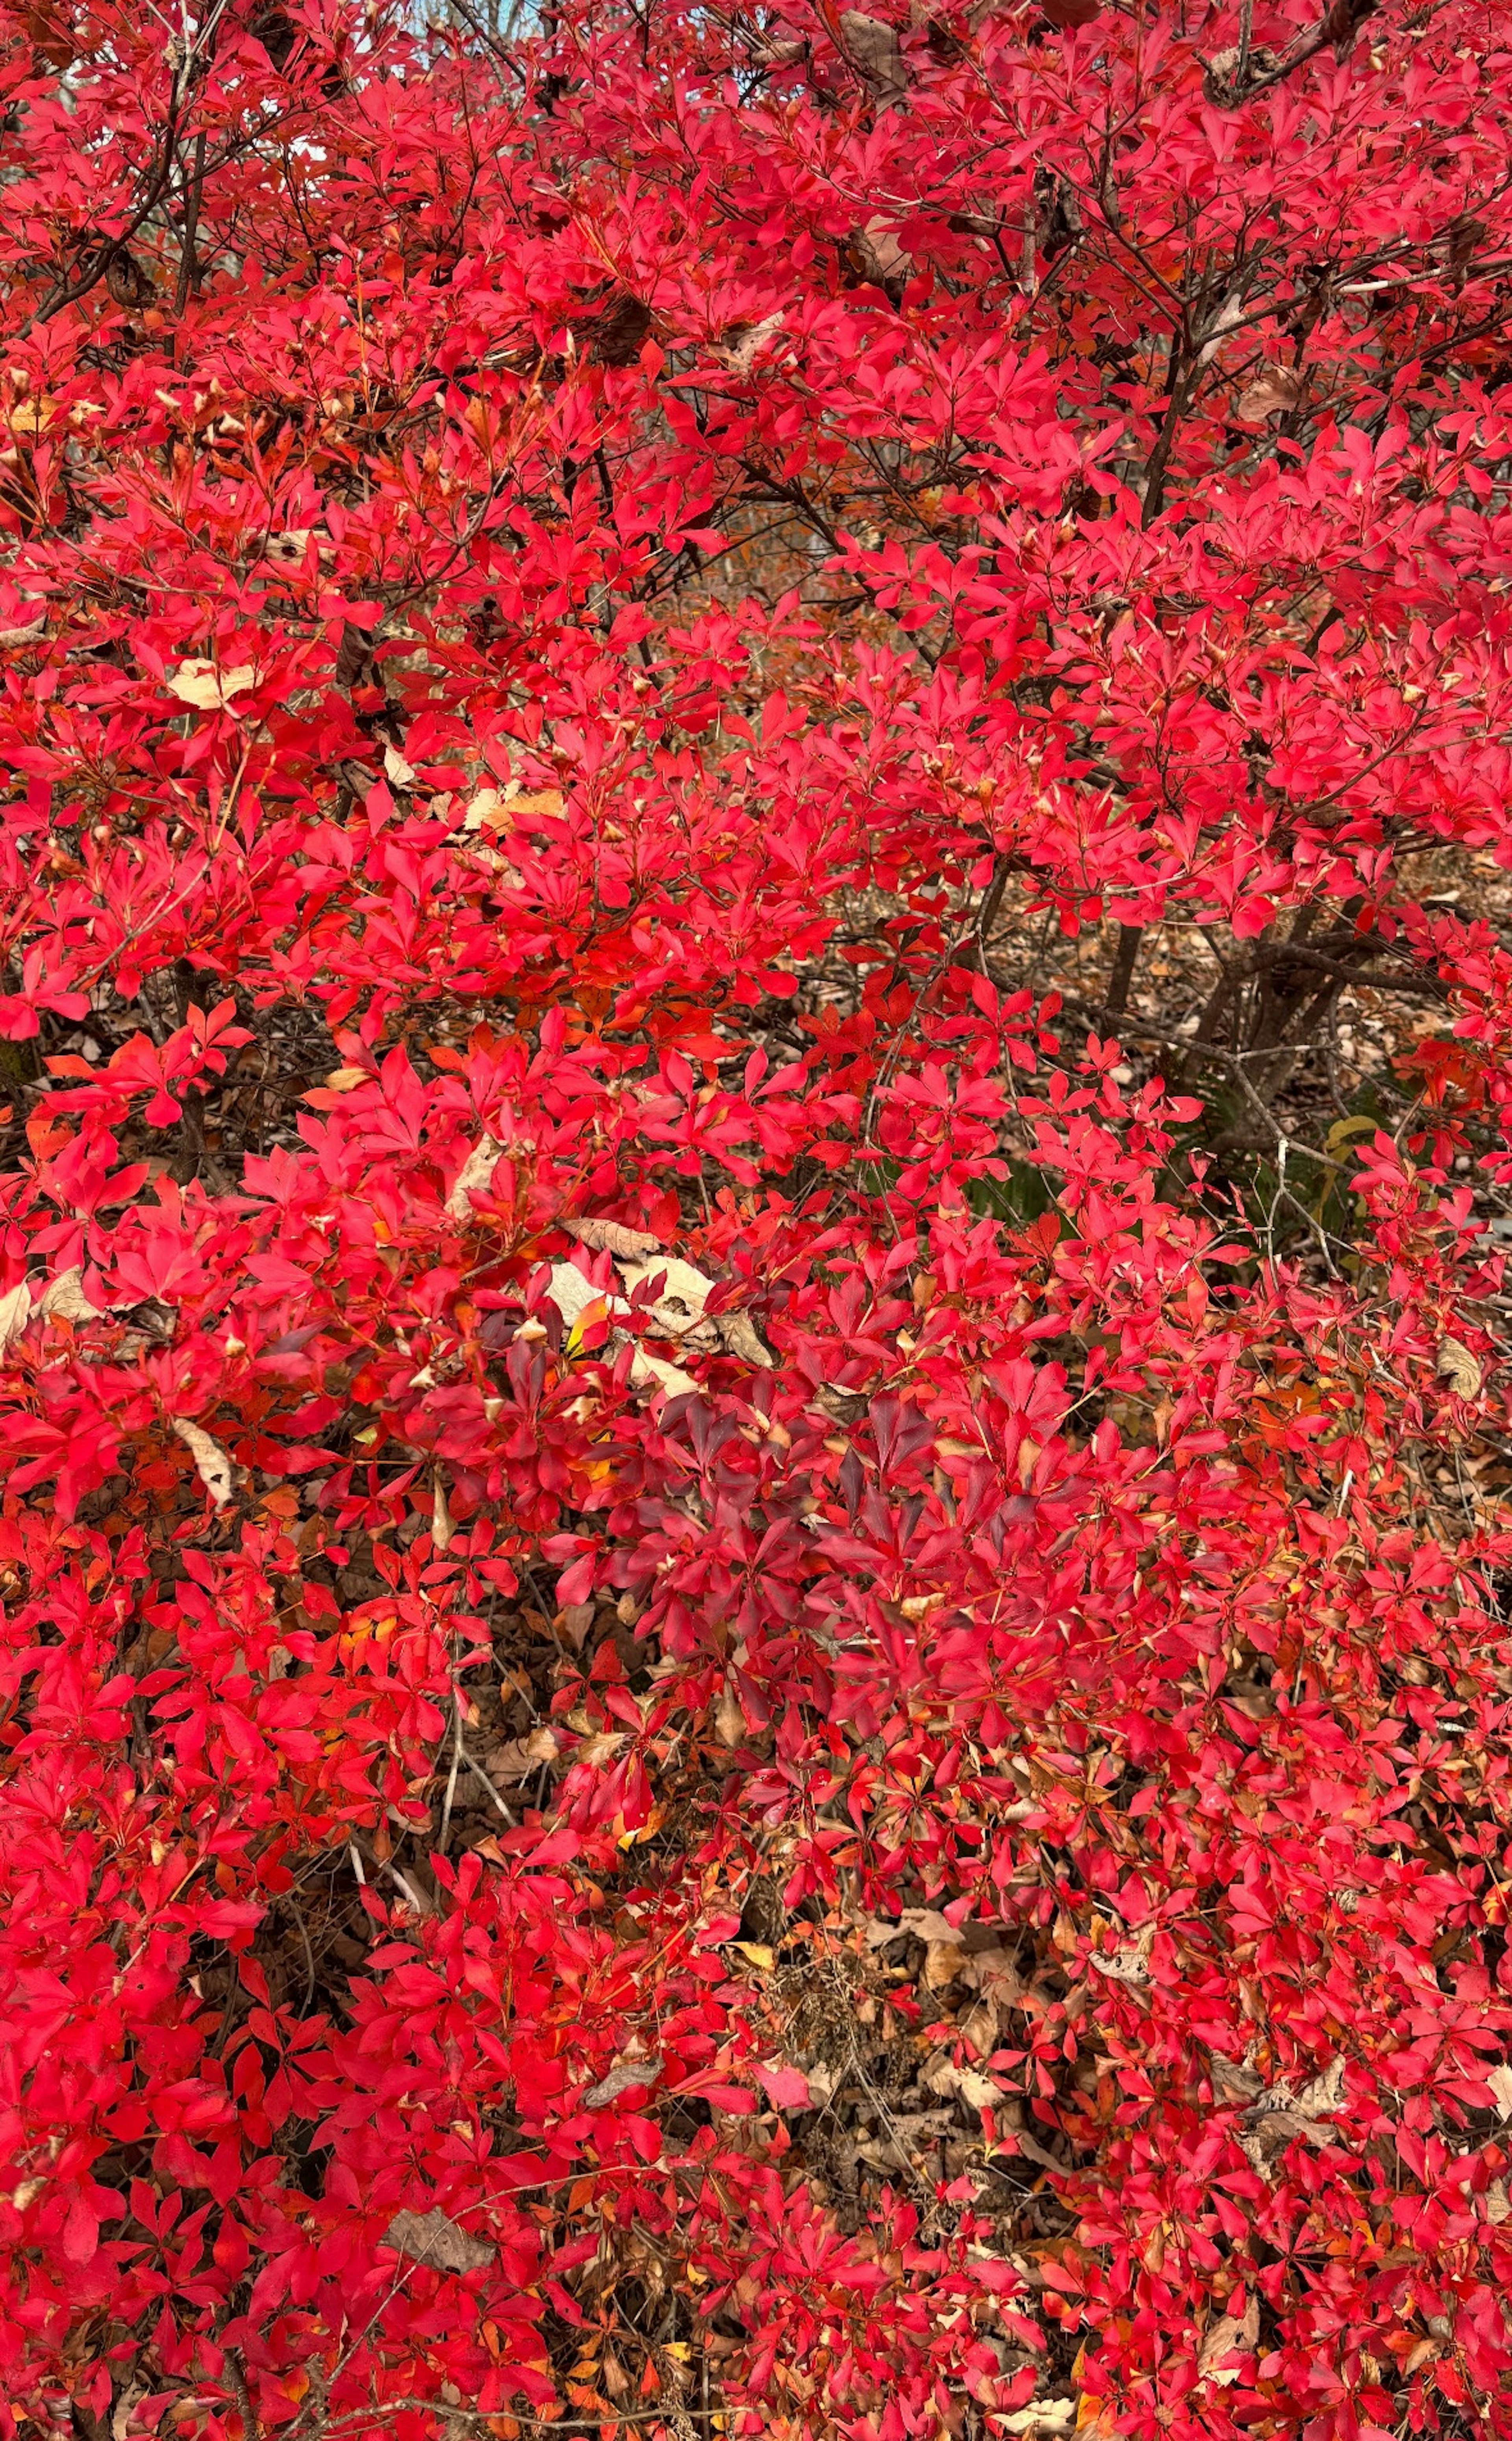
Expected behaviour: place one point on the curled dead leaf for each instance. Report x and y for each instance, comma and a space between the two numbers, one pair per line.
15, 1312
874, 51
472, 1178
612, 1236
208, 688
1459, 1368
212, 1464
654, 1372
1272, 392
624, 2077
1228, 2337
876, 256
433, 2238
744, 343
64, 1298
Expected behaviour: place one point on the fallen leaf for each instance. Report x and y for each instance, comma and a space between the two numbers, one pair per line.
980, 2092
612, 1236
655, 1371
1459, 1368
744, 344
12, 638
624, 2077
1229, 2336
433, 2238
1500, 2081
15, 1312
212, 1463
396, 769
208, 688
877, 256
679, 1306
472, 1178
64, 1298
487, 811
1272, 393
741, 1338
925, 1924
873, 48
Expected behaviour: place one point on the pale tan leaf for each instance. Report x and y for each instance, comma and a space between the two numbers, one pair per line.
15, 1312
611, 1237
472, 1178
1459, 1368
925, 1924
874, 51
575, 1295
741, 1338
440, 1518
396, 769
288, 549
743, 346
1323, 2095
433, 2238
623, 2077
11, 638
1272, 393
876, 254
654, 1370
1226, 2337
346, 1080
486, 811
208, 688
684, 1293
212, 1463
942, 1962
978, 2092
64, 1298
1500, 2081
730, 1721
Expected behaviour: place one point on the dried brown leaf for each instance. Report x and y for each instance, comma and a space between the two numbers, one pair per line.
613, 1238
212, 1464
208, 689
874, 51
15, 1312
623, 2077
1229, 2335
1272, 392
433, 2238
472, 1178
1459, 1368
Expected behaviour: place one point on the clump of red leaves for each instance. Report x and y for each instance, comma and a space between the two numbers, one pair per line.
751, 1684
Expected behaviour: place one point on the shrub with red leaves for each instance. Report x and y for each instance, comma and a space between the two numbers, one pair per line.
757, 1034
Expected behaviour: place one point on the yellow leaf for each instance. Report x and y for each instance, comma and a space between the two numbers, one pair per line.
757, 1952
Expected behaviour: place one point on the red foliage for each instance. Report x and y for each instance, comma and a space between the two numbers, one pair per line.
440, 817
